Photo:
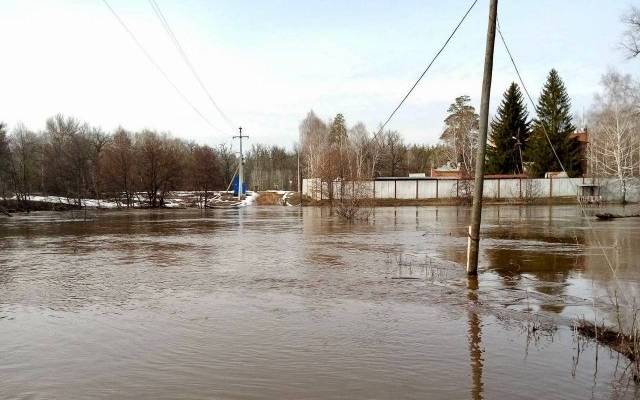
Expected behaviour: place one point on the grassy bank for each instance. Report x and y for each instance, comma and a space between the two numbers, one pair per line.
13, 206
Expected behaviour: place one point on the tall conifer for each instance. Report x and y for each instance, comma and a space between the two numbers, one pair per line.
555, 121
509, 134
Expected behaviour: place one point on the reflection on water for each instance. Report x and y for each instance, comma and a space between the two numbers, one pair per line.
475, 339
277, 302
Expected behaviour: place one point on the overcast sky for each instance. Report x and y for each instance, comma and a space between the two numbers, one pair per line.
267, 63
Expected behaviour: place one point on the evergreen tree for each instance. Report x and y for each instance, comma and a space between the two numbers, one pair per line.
338, 130
460, 135
509, 134
554, 120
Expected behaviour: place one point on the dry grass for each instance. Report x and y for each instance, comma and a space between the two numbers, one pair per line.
355, 209
623, 339
294, 199
622, 343
269, 199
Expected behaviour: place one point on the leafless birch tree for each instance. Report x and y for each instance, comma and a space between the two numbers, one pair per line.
631, 37
615, 145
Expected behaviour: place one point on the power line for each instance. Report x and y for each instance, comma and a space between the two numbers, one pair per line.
185, 58
157, 66
544, 129
524, 87
428, 66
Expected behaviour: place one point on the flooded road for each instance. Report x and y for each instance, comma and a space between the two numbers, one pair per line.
279, 302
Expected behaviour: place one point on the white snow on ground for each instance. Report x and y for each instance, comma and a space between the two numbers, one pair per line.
89, 203
285, 198
178, 199
249, 199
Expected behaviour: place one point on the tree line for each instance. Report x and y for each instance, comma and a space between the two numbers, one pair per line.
517, 145
332, 151
72, 159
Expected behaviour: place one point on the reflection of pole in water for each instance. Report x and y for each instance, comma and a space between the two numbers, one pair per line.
475, 340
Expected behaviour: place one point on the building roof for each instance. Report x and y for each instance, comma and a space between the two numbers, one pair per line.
581, 136
448, 167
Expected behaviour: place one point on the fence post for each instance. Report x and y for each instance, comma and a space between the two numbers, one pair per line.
416, 189
437, 189
550, 187
520, 179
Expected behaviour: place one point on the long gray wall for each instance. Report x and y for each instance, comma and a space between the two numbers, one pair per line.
423, 189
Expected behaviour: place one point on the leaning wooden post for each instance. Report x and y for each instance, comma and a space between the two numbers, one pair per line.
476, 213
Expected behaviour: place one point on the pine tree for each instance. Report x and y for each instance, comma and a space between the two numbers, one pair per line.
460, 134
554, 120
338, 130
509, 134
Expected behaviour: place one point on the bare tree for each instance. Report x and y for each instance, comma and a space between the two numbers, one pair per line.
394, 154
228, 161
631, 37
205, 171
70, 154
22, 163
161, 163
5, 158
98, 140
615, 128
314, 139
359, 147
376, 148
118, 167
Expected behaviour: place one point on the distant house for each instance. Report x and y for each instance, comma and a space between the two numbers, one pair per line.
452, 171
582, 137
449, 170
555, 174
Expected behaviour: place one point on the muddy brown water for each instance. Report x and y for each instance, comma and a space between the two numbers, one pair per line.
284, 303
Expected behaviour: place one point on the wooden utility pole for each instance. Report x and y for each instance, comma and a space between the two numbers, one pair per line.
241, 165
473, 244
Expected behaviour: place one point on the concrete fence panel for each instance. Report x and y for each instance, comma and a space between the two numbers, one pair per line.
491, 188
385, 189
510, 188
406, 189
409, 189
429, 189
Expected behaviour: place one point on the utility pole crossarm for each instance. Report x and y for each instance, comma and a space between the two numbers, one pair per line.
240, 136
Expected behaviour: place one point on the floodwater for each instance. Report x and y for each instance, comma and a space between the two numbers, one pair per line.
289, 303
